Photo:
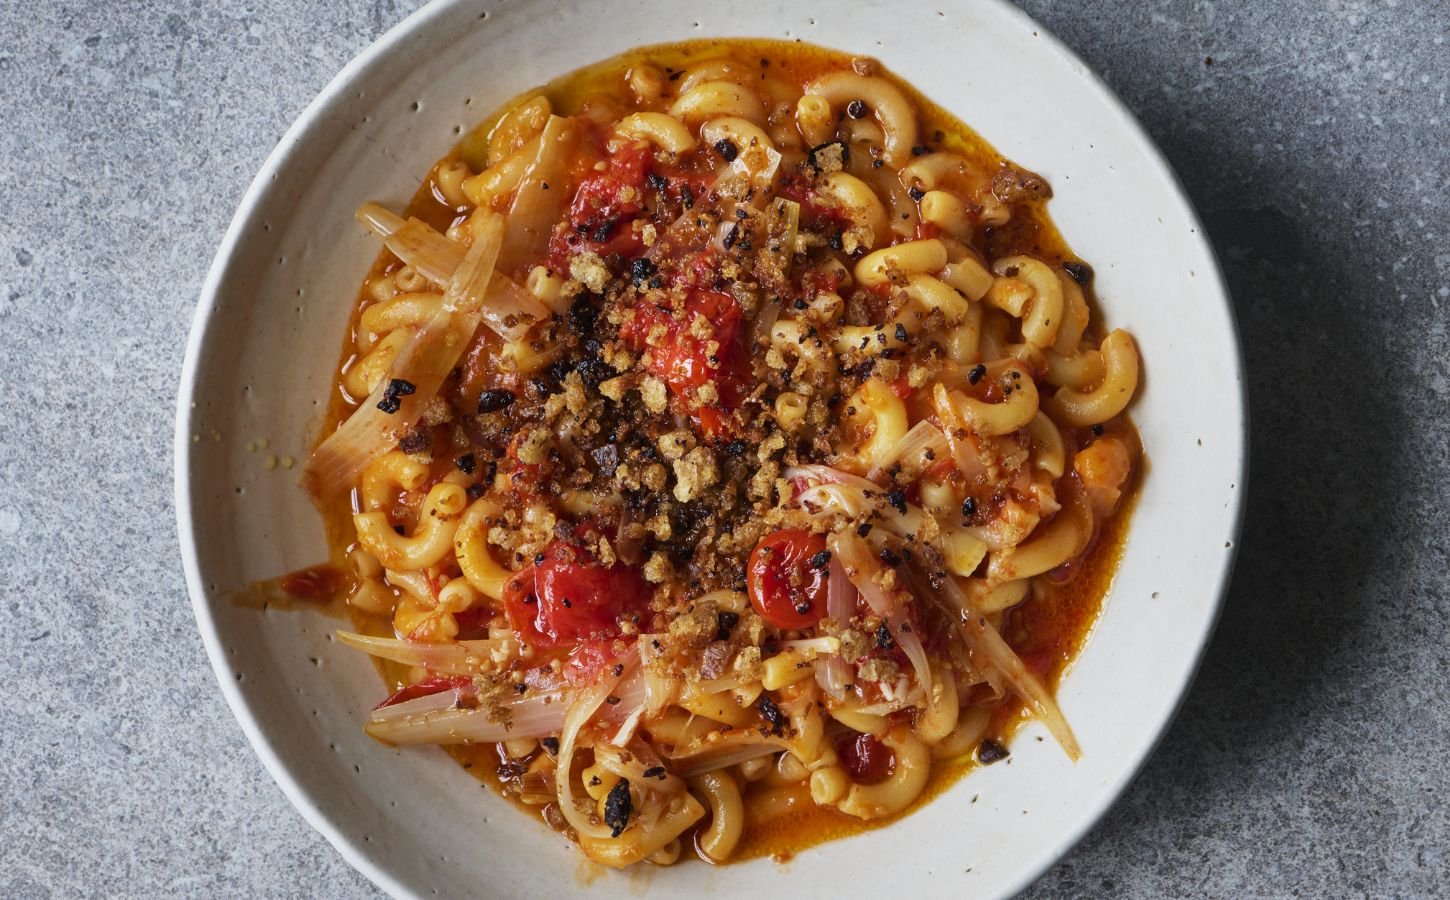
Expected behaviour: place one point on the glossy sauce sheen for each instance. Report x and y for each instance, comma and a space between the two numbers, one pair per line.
1047, 630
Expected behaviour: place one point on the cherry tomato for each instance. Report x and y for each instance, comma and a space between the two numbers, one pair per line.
786, 582
865, 759
566, 597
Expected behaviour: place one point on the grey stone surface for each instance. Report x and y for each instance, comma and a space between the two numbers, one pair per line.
1310, 758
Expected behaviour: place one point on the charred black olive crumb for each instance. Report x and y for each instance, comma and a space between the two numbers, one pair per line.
731, 236
1098, 430
916, 192
919, 150
901, 334
736, 447
897, 498
551, 745
725, 622
883, 638
687, 196
856, 109
493, 401
641, 270
657, 181
392, 395
834, 240
821, 560
969, 507
975, 375
863, 529
466, 463
1080, 272
890, 557
655, 772
772, 714
474, 491
582, 315
415, 441
989, 751
727, 150
618, 807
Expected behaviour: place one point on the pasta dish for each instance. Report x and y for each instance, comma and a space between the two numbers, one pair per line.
724, 438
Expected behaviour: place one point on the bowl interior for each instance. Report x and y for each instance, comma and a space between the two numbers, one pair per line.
268, 330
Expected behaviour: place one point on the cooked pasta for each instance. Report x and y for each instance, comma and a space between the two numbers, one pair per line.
724, 435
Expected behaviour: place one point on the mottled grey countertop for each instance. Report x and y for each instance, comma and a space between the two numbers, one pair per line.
1313, 755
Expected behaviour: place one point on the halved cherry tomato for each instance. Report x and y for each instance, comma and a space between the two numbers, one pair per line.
865, 759
567, 597
787, 585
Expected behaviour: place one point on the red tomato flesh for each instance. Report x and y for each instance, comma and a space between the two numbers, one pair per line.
786, 585
683, 359
865, 759
567, 597
436, 685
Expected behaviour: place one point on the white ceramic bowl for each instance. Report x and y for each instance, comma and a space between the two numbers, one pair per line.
265, 340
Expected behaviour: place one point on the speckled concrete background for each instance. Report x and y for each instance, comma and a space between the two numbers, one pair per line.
1311, 758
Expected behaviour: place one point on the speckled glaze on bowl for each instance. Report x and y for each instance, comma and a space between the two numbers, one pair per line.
264, 343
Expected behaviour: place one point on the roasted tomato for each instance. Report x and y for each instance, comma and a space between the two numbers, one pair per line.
566, 597
688, 358
787, 578
865, 759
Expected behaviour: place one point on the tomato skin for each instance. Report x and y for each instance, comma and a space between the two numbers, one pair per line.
866, 759
786, 587
588, 660
565, 597
435, 685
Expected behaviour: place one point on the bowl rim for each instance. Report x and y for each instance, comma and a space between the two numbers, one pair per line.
298, 793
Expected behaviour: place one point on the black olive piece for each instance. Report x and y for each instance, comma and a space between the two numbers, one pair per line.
883, 637
990, 751
493, 401
772, 714
1080, 272
618, 807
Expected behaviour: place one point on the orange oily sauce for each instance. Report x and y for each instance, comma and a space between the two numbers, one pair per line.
1048, 629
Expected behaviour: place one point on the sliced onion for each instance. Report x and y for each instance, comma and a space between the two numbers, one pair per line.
538, 716
633, 762
829, 475
541, 199
863, 569
454, 658
581, 711
435, 256
423, 363
418, 706
1000, 664
957, 435
833, 673
923, 437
